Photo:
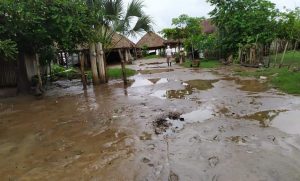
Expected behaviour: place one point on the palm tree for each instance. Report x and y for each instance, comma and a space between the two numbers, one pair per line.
113, 18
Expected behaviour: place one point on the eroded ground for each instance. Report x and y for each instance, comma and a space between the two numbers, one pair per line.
221, 128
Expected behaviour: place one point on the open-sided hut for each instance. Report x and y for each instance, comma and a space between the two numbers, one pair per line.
120, 42
177, 44
151, 41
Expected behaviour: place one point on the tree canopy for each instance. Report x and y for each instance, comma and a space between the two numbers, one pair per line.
244, 22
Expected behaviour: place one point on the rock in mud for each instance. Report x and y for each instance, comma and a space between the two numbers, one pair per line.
173, 176
213, 161
174, 115
145, 160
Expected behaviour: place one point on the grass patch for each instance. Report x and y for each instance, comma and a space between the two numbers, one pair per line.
283, 79
291, 57
152, 56
114, 73
203, 64
60, 72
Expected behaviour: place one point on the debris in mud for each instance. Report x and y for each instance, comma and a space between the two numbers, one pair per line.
174, 115
173, 176
162, 123
146, 136
213, 161
195, 138
146, 160
271, 138
237, 139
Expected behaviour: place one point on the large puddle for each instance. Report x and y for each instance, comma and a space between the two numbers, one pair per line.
288, 122
264, 117
190, 87
251, 85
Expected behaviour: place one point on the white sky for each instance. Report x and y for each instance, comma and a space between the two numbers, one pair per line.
162, 11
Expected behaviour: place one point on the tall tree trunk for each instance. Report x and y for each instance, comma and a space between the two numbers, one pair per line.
101, 64
38, 71
295, 46
282, 58
94, 64
123, 66
83, 77
240, 55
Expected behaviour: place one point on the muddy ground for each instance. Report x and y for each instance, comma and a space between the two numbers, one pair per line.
225, 128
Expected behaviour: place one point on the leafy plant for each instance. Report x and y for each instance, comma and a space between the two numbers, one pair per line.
8, 49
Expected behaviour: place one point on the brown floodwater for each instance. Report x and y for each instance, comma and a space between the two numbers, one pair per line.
264, 117
221, 131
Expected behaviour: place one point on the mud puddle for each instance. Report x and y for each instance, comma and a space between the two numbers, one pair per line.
190, 87
288, 122
139, 81
264, 117
175, 121
251, 85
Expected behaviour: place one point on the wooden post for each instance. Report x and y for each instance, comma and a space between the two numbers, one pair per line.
94, 64
123, 67
126, 56
277, 47
83, 77
101, 64
282, 58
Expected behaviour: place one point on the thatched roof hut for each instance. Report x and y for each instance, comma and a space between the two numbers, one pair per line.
208, 27
121, 42
151, 40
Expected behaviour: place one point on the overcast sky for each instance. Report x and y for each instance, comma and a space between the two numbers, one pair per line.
162, 11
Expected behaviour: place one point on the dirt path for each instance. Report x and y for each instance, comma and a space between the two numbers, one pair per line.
168, 124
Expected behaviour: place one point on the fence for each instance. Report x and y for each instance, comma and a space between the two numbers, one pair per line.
8, 77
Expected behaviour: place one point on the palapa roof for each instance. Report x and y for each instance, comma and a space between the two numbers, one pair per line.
173, 41
151, 40
120, 42
208, 27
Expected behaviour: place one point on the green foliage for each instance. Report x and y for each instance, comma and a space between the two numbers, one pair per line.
114, 73
47, 54
283, 79
291, 57
112, 17
203, 64
243, 22
34, 24
8, 49
145, 50
64, 73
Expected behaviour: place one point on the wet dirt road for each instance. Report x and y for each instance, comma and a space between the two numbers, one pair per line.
168, 124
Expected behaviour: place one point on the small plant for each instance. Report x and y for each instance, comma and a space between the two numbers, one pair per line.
145, 50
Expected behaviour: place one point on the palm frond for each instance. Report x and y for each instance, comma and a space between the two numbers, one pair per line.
143, 24
134, 9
